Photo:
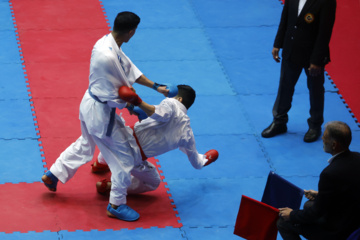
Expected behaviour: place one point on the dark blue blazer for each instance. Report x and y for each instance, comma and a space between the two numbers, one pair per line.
305, 39
338, 201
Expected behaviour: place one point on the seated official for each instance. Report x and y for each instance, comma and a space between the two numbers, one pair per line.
332, 212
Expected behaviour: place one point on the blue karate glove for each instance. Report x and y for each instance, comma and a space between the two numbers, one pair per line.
137, 111
140, 113
173, 90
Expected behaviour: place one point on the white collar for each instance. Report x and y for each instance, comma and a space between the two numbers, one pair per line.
301, 6
181, 106
334, 156
114, 45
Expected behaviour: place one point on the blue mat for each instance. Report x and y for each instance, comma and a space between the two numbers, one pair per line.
235, 13
124, 234
239, 156
22, 161
261, 115
160, 233
212, 202
206, 77
17, 120
156, 14
290, 156
13, 85
249, 44
9, 47
224, 232
355, 143
5, 16
222, 49
169, 44
218, 115
265, 80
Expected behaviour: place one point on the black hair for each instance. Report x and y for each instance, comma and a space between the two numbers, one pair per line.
339, 132
125, 22
187, 94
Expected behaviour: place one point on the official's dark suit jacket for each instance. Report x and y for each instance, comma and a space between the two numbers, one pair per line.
305, 38
338, 200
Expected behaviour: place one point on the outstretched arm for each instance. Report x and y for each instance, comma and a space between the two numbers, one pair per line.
127, 94
147, 108
143, 80
197, 160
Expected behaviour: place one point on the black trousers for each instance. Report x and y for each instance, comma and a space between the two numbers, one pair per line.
290, 231
311, 231
289, 76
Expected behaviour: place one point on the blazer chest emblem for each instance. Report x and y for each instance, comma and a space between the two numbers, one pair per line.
309, 17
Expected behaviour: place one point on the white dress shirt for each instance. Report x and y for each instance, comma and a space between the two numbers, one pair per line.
301, 6
334, 156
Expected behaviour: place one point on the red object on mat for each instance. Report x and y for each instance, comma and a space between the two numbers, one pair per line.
256, 220
56, 40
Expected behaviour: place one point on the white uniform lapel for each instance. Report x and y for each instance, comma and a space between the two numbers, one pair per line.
117, 54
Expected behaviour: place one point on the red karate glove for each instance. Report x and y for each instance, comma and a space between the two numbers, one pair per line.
129, 95
211, 156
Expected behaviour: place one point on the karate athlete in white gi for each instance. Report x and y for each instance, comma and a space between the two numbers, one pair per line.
110, 69
167, 128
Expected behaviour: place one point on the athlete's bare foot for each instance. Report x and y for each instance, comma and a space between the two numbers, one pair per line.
109, 213
48, 181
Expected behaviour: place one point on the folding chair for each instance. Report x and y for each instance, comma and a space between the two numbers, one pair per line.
256, 220
280, 193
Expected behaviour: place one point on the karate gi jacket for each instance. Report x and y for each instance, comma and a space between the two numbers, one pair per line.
110, 69
167, 129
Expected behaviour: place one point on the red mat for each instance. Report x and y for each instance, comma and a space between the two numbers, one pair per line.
56, 39
344, 68
76, 206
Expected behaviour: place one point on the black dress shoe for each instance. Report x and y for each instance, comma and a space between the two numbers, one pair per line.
312, 135
273, 130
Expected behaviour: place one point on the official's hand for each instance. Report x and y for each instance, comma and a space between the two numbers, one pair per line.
285, 213
275, 54
310, 194
314, 70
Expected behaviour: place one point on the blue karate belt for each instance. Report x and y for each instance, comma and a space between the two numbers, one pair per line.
112, 114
